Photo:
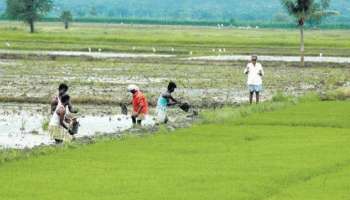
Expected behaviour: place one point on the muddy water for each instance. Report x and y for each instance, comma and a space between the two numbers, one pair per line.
99, 55
20, 129
320, 59
21, 126
106, 55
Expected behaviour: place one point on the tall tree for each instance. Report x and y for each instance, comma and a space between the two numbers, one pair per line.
28, 10
66, 17
303, 10
93, 11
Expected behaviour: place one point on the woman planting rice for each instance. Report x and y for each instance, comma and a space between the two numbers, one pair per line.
58, 128
62, 90
140, 105
164, 101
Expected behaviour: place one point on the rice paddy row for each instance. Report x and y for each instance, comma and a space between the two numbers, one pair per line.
181, 40
200, 83
259, 156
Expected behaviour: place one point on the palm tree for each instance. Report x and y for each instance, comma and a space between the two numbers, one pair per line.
304, 10
66, 17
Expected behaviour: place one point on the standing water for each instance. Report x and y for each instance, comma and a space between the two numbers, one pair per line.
23, 126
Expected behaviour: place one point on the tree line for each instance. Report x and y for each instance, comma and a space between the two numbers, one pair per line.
186, 10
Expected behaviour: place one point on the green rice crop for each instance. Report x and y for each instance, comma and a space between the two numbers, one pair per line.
252, 159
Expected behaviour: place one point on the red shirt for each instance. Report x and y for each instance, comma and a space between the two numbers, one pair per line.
139, 100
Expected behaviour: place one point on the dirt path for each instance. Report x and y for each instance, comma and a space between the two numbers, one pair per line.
99, 55
105, 55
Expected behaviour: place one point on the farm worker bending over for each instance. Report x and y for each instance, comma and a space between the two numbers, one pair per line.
255, 72
58, 128
140, 105
62, 90
164, 101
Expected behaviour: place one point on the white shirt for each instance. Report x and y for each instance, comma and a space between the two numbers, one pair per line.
255, 73
56, 119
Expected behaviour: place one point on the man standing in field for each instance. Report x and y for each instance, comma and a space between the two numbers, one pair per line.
255, 72
140, 105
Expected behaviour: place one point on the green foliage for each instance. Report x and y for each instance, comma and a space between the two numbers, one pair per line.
45, 125
183, 10
8, 155
280, 101
308, 113
310, 97
252, 160
317, 17
93, 11
320, 12
300, 9
303, 10
229, 114
28, 10
281, 17
342, 93
311, 11
199, 40
207, 10
281, 97
66, 17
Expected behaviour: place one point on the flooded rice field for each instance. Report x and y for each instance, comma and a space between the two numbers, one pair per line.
98, 54
198, 83
316, 59
103, 84
23, 126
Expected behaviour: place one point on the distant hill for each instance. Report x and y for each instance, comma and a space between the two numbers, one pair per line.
240, 10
